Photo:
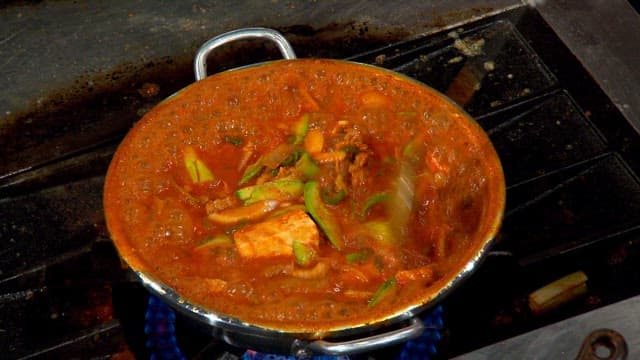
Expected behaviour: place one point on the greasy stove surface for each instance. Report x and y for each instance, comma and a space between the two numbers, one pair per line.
573, 198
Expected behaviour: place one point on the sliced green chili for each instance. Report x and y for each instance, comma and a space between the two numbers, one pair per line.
322, 216
196, 168
303, 253
216, 241
333, 198
382, 291
301, 129
292, 158
307, 166
372, 201
360, 256
381, 231
251, 171
273, 190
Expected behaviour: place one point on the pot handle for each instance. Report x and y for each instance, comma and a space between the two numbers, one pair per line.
200, 62
413, 330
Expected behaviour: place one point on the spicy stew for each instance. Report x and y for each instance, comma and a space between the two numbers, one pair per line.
304, 195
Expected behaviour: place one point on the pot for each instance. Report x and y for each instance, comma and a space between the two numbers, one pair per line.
389, 328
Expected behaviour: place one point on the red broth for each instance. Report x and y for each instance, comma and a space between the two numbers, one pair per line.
304, 195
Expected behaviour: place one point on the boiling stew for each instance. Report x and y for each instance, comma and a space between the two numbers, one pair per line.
304, 194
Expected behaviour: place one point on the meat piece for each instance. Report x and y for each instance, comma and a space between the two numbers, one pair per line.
217, 205
274, 237
352, 140
356, 169
353, 143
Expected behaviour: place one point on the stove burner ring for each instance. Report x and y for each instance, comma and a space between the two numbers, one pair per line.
162, 342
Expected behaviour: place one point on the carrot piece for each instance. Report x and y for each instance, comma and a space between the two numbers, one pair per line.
314, 141
375, 99
425, 274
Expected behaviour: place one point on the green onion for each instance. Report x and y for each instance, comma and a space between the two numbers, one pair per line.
382, 291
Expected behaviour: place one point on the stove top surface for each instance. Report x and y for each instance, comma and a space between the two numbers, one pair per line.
569, 156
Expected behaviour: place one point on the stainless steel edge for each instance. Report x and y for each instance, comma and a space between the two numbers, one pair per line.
370, 343
563, 340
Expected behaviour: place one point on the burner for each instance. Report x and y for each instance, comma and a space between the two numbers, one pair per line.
160, 329
162, 341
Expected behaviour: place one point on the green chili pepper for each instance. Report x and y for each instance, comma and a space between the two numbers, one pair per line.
272, 190
381, 231
359, 257
216, 241
307, 166
321, 215
251, 171
303, 253
300, 129
372, 201
333, 198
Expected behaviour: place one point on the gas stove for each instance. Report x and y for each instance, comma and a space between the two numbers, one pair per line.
567, 138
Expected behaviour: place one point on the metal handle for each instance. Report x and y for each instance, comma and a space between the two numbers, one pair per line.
413, 330
200, 62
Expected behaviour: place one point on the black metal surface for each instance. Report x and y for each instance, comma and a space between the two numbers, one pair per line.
568, 155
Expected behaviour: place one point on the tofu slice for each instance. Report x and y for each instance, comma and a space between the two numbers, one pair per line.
274, 237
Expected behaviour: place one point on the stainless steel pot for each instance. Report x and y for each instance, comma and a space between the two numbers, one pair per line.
370, 336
